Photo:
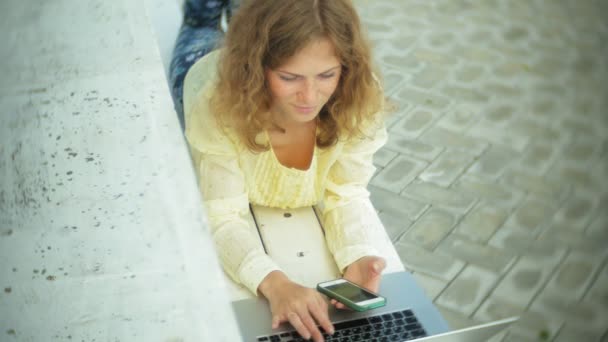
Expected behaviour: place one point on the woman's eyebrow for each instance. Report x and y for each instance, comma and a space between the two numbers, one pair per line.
324, 72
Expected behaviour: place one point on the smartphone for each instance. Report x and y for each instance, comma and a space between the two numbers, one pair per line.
351, 295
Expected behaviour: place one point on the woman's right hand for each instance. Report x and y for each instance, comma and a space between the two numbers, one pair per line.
303, 307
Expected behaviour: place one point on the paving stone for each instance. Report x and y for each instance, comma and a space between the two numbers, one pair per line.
527, 90
578, 128
465, 94
490, 132
393, 118
446, 168
431, 228
434, 264
532, 128
524, 242
532, 325
481, 222
539, 185
575, 274
542, 108
538, 157
532, 213
423, 99
439, 40
453, 140
565, 236
586, 315
466, 292
398, 206
510, 69
501, 91
493, 162
469, 73
393, 78
396, 107
494, 308
384, 156
458, 118
438, 196
456, 320
431, 286
486, 190
399, 173
428, 77
500, 114
576, 212
431, 57
476, 54
568, 334
395, 226
414, 123
580, 151
491, 258
512, 336
598, 292
413, 148
401, 60
527, 277
577, 175
598, 229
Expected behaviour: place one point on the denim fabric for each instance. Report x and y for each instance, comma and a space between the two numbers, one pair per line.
200, 33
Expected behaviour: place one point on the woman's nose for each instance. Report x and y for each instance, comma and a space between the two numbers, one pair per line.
308, 93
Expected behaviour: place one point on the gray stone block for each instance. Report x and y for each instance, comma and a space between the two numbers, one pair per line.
400, 172
446, 168
438, 196
413, 148
441, 137
491, 258
481, 222
434, 264
527, 277
395, 205
466, 292
431, 228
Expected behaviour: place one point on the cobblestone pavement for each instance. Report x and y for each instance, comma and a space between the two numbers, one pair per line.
492, 182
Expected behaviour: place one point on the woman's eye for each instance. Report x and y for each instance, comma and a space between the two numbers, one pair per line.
328, 75
287, 78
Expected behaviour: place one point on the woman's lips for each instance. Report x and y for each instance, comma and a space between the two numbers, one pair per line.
305, 109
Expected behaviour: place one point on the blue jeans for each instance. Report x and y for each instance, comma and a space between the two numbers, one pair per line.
199, 34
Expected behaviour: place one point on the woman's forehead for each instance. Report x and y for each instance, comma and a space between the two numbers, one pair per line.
315, 57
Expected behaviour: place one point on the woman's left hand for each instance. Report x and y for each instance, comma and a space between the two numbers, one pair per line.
365, 272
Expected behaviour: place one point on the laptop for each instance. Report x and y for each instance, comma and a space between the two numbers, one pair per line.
408, 314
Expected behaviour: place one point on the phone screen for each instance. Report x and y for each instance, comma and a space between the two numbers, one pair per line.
351, 292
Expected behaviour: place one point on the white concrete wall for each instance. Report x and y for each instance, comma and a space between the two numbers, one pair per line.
102, 235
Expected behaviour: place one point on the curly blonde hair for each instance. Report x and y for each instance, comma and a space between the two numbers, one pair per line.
265, 34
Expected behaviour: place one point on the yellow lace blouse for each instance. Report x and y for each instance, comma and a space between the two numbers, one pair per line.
231, 177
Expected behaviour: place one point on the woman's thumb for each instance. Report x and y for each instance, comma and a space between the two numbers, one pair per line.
378, 265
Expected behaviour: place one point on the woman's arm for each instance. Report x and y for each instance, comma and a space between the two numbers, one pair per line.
222, 183
350, 220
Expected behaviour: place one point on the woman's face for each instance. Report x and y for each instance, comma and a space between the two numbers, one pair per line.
302, 85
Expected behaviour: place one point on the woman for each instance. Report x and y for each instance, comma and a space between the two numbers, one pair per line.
288, 114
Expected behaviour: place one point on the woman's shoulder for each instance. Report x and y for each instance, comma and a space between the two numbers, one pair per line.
200, 75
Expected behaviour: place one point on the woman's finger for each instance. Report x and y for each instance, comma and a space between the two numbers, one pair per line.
276, 320
296, 322
311, 326
320, 314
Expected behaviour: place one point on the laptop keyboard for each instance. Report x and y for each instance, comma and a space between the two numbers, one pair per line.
393, 326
